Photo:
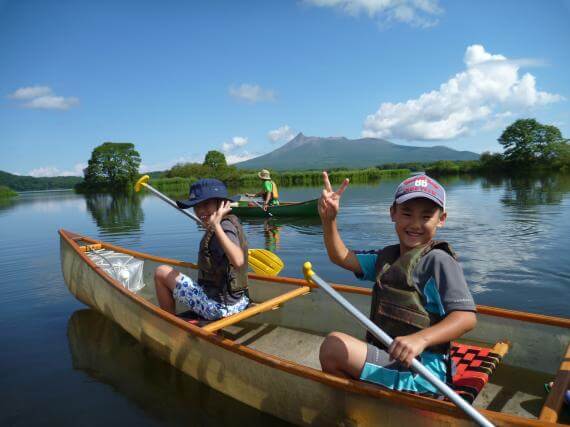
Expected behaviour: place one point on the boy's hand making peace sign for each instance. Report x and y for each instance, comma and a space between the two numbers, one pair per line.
329, 203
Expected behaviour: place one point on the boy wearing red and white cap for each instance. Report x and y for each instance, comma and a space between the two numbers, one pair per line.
420, 296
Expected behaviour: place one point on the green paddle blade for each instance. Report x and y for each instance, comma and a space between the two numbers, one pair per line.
264, 262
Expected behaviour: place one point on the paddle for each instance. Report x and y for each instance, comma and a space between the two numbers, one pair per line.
259, 206
385, 339
261, 261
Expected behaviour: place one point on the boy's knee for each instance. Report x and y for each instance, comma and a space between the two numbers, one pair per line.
161, 272
333, 349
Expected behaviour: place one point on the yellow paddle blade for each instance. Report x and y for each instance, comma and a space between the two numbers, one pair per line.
142, 180
264, 262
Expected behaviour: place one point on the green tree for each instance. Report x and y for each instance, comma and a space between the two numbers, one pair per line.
528, 141
214, 159
113, 165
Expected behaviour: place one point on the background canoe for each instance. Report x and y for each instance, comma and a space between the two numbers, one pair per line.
285, 209
270, 362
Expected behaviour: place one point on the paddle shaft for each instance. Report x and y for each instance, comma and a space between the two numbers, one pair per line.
261, 207
416, 365
171, 202
258, 204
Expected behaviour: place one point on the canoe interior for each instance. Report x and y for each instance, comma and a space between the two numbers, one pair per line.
295, 331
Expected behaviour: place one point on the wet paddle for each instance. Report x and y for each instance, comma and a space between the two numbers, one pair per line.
385, 339
261, 261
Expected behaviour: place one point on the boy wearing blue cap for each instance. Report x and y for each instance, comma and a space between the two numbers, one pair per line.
420, 296
221, 289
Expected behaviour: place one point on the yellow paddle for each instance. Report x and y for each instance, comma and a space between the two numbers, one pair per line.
261, 261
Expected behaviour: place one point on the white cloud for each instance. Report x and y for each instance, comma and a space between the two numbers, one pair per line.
417, 13
236, 158
31, 92
236, 142
49, 171
252, 93
488, 89
282, 134
42, 97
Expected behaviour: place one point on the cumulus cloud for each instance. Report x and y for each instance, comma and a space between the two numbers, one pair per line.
50, 171
42, 97
252, 93
417, 13
236, 142
242, 157
489, 89
282, 134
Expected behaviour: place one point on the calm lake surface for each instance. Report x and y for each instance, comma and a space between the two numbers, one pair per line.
65, 364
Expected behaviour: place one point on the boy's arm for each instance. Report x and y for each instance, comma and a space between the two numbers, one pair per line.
453, 326
337, 250
329, 205
232, 251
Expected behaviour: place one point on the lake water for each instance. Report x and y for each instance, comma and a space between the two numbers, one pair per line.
64, 364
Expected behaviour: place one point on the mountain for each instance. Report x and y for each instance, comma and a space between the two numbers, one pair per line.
309, 152
28, 183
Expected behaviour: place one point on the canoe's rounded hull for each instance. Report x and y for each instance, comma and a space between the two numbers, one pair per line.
295, 393
306, 209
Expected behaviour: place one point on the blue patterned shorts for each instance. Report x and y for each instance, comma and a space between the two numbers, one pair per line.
193, 296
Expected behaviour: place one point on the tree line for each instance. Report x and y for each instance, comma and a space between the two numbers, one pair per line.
113, 167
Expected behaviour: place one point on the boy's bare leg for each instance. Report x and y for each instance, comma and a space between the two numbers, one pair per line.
165, 282
343, 355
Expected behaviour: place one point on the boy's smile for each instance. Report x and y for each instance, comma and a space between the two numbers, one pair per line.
205, 209
416, 222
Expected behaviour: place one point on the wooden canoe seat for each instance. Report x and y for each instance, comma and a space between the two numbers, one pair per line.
474, 366
555, 398
256, 309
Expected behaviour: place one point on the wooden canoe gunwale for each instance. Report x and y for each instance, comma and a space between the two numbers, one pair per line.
352, 386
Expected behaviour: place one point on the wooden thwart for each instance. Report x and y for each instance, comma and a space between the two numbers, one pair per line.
555, 398
88, 248
259, 308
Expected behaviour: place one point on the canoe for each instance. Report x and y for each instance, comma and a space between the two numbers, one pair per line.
285, 209
269, 360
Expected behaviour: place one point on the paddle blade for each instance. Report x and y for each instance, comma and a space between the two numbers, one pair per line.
142, 180
264, 262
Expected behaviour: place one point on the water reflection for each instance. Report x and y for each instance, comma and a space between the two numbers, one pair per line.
525, 192
272, 235
108, 354
116, 213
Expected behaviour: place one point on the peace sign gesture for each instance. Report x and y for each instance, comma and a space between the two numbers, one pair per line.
329, 203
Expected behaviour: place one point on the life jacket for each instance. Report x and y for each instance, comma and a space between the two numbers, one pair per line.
398, 306
222, 279
274, 191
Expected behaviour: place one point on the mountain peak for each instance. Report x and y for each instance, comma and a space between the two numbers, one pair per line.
312, 152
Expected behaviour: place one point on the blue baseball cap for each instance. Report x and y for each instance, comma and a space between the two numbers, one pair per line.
205, 189
420, 186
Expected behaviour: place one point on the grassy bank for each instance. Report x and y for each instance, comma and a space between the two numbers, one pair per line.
6, 193
180, 185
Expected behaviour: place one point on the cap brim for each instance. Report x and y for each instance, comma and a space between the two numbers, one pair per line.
416, 194
187, 204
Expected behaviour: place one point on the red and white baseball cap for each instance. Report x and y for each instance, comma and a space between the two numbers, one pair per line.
420, 186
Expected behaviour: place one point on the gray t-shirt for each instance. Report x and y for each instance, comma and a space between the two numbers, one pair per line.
438, 276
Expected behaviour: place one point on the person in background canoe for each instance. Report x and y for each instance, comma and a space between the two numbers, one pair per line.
420, 296
221, 288
269, 192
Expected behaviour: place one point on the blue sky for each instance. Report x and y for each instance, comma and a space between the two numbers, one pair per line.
179, 78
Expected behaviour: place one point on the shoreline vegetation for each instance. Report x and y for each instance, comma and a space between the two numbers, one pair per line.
529, 148
7, 193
